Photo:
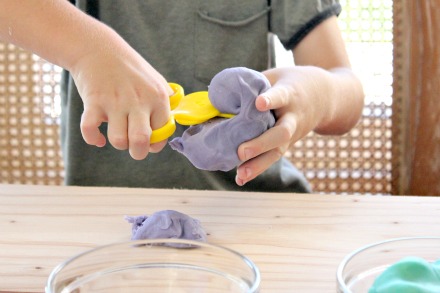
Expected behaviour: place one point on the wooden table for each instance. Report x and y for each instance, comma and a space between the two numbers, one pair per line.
297, 240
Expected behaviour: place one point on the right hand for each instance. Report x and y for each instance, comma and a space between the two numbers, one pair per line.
115, 83
118, 86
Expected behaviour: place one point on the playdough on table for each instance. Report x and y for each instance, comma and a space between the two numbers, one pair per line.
166, 224
409, 275
213, 145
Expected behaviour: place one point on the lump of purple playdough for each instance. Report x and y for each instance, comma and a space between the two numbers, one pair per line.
166, 224
213, 145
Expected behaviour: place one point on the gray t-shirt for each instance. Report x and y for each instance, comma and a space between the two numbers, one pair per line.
188, 42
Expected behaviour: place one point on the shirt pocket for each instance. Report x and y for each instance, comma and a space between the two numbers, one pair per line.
230, 36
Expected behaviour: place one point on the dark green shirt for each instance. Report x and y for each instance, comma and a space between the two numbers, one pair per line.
188, 42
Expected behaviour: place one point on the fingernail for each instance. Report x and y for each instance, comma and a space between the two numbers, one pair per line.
238, 181
266, 101
242, 175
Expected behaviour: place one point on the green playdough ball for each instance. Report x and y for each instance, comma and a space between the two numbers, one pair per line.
409, 275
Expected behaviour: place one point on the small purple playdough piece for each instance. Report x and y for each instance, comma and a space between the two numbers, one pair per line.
166, 224
213, 145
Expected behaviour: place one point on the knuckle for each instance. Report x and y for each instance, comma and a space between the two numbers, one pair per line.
138, 140
283, 95
89, 133
86, 127
118, 142
285, 133
278, 153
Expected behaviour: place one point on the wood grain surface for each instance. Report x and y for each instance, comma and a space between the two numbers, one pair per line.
297, 240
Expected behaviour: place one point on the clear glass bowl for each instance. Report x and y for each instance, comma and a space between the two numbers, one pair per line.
358, 270
159, 265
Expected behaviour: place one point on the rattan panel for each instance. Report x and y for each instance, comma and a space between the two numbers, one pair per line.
360, 161
29, 138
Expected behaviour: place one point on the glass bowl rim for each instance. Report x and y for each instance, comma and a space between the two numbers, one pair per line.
246, 260
340, 280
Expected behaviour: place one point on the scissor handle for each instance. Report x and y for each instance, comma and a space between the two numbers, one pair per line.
168, 129
164, 132
177, 96
194, 109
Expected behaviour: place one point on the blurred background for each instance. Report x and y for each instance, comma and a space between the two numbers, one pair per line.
377, 157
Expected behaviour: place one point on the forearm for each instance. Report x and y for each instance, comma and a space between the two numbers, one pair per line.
55, 30
326, 101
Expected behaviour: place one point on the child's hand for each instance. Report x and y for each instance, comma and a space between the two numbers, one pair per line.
304, 99
115, 83
292, 108
119, 87
320, 94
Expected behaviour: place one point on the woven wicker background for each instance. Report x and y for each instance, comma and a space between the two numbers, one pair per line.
359, 162
29, 138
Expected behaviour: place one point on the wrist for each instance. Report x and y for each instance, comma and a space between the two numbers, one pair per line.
344, 101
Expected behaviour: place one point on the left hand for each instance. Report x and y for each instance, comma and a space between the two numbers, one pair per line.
297, 97
320, 94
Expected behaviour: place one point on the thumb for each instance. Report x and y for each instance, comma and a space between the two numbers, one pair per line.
274, 98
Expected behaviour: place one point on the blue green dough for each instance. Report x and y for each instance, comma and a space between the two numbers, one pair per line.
409, 275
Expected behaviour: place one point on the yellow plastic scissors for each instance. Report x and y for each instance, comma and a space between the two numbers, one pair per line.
191, 109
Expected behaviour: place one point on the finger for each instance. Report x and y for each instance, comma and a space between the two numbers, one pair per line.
90, 122
160, 119
141, 125
138, 135
160, 116
157, 147
117, 130
274, 98
252, 168
279, 135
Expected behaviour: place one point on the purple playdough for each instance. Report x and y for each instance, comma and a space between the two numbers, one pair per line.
166, 224
213, 145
